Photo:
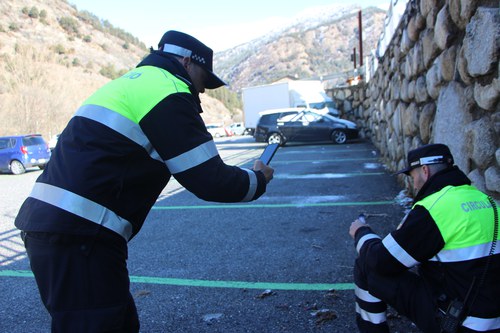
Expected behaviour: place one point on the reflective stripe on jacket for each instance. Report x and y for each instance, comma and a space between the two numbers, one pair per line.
119, 151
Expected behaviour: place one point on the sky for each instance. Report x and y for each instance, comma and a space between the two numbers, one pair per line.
220, 24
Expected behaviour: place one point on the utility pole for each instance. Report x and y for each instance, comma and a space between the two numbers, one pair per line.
360, 40
353, 57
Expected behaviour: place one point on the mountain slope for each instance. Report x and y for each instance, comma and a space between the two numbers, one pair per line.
52, 57
310, 48
69, 33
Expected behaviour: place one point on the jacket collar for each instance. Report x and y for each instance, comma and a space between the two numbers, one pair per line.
174, 67
452, 176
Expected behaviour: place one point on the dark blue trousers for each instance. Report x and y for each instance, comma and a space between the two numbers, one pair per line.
83, 281
406, 292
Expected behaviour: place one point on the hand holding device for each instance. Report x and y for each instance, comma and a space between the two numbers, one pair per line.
358, 223
262, 164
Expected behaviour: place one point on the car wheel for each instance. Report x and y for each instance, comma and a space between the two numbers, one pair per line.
17, 167
339, 136
41, 167
275, 138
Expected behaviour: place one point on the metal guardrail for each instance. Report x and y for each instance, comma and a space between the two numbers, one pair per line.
396, 11
395, 14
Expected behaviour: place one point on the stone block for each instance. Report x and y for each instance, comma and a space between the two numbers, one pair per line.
413, 29
406, 65
445, 29
411, 90
406, 43
482, 33
429, 47
461, 11
477, 180
487, 96
410, 120
396, 124
483, 142
404, 91
453, 114
426, 6
417, 59
495, 119
447, 63
395, 87
462, 67
347, 106
433, 80
431, 17
421, 90
492, 179
426, 121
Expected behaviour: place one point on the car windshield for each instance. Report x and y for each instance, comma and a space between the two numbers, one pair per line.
302, 117
33, 141
269, 119
288, 117
310, 117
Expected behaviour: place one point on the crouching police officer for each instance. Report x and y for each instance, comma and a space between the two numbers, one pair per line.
450, 237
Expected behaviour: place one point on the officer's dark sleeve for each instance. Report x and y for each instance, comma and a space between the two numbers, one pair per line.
178, 133
419, 236
417, 240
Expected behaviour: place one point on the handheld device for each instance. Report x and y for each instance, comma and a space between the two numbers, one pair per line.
453, 317
268, 153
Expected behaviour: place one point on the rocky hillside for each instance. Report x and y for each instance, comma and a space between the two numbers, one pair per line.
53, 56
75, 38
314, 47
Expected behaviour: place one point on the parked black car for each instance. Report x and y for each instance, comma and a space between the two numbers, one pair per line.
284, 125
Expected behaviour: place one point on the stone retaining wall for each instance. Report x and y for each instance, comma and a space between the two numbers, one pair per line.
439, 81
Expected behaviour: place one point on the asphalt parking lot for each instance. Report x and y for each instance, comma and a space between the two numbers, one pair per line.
280, 264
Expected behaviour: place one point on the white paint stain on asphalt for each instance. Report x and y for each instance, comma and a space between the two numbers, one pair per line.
325, 175
300, 199
372, 166
311, 176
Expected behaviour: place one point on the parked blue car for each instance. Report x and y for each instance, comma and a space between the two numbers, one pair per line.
19, 152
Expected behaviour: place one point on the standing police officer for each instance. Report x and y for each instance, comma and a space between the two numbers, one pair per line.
110, 164
449, 236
